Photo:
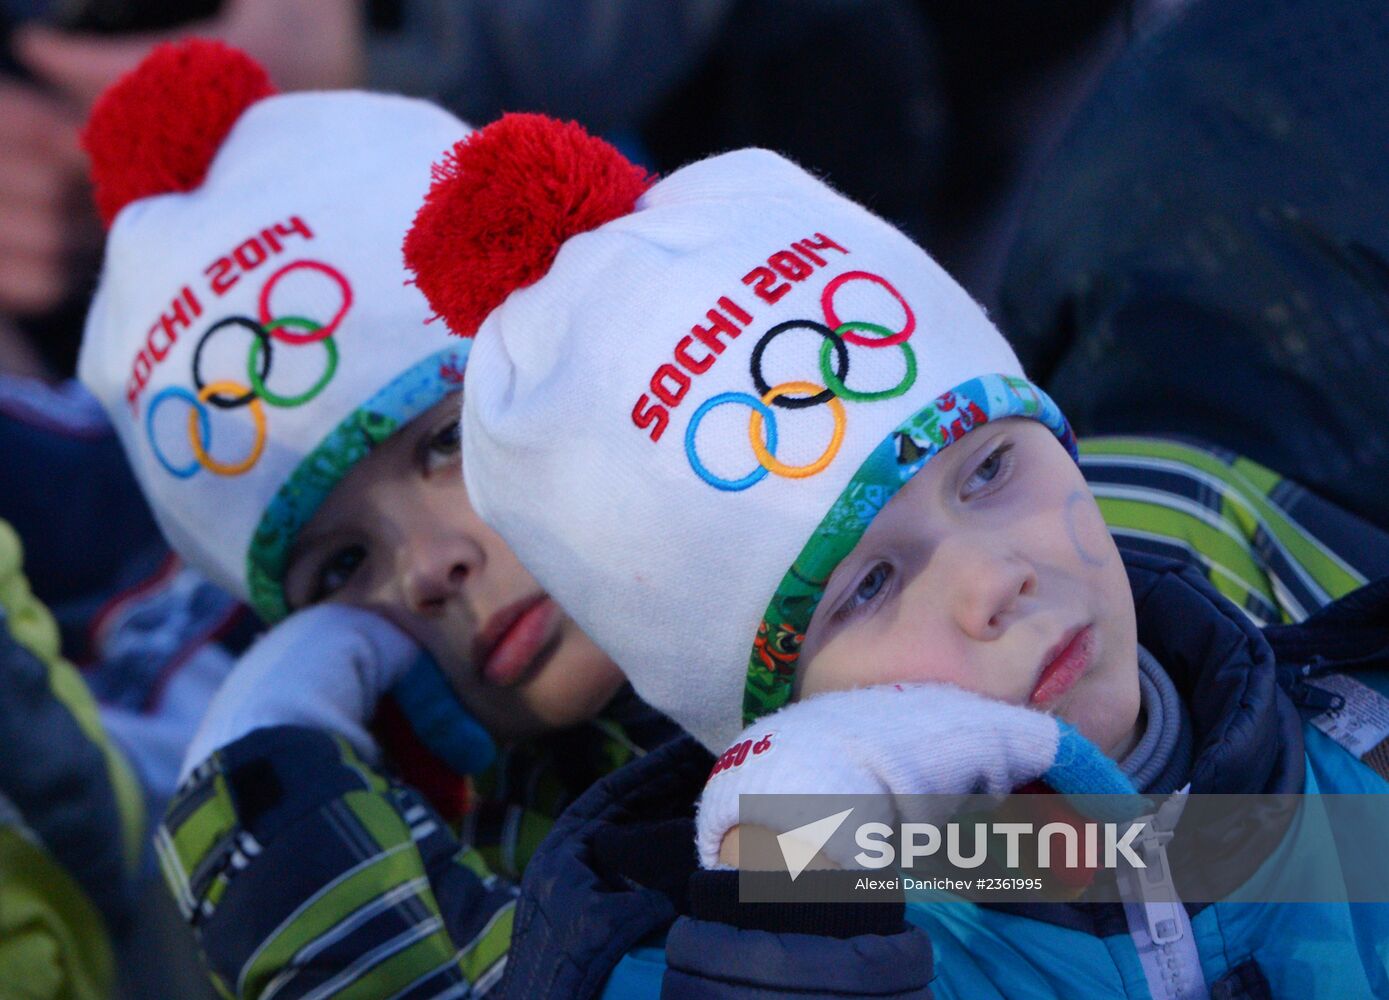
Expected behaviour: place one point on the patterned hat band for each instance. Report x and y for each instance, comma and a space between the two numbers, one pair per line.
776, 650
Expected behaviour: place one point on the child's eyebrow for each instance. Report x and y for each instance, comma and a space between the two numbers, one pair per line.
303, 546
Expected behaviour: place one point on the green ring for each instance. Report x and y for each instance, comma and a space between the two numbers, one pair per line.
291, 401
840, 389
302, 322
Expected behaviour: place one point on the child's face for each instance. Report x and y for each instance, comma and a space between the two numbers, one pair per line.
398, 536
991, 570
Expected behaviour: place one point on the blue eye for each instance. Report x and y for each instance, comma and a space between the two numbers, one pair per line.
998, 462
446, 441
441, 449
868, 588
336, 571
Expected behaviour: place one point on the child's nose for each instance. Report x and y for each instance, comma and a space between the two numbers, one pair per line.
437, 568
988, 588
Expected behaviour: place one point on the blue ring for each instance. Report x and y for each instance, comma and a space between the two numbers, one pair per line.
752, 478
187, 471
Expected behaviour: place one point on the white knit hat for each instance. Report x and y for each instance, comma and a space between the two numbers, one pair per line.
684, 411
253, 334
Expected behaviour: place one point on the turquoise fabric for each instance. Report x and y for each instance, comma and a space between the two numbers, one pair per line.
638, 974
1307, 950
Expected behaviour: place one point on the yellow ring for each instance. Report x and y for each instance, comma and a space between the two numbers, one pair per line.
257, 414
769, 461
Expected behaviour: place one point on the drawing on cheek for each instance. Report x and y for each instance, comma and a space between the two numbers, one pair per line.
1075, 511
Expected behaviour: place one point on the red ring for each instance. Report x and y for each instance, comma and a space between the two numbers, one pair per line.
832, 318
323, 332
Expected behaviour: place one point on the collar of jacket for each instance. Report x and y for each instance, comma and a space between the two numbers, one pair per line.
1247, 733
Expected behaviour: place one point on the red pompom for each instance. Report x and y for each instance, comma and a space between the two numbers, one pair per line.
502, 203
156, 129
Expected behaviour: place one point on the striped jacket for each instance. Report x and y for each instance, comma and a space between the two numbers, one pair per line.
306, 874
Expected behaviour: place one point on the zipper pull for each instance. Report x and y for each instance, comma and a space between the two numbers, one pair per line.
1157, 891
1162, 909
1315, 698
1309, 695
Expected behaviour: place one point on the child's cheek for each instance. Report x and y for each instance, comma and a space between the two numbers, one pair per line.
1086, 530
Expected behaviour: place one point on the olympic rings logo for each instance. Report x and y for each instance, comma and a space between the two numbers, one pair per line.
266, 330
836, 334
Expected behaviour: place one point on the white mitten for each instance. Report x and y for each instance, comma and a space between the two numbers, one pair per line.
894, 740
325, 667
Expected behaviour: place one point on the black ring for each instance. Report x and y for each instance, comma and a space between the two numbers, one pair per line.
232, 402
798, 402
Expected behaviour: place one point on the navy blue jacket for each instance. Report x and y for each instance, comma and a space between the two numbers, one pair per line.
619, 869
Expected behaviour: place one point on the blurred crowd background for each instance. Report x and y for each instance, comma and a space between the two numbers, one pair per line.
931, 111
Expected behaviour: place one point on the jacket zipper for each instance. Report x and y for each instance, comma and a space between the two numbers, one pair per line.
1158, 922
1309, 695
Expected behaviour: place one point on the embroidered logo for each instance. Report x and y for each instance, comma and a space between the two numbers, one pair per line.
266, 331
739, 753
836, 335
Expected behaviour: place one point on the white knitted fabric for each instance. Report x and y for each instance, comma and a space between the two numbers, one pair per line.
296, 229
665, 545
887, 741
323, 668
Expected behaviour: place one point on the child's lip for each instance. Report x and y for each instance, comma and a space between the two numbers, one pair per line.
1064, 664
513, 639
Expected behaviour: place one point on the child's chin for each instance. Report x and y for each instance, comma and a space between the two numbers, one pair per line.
1102, 722
574, 686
